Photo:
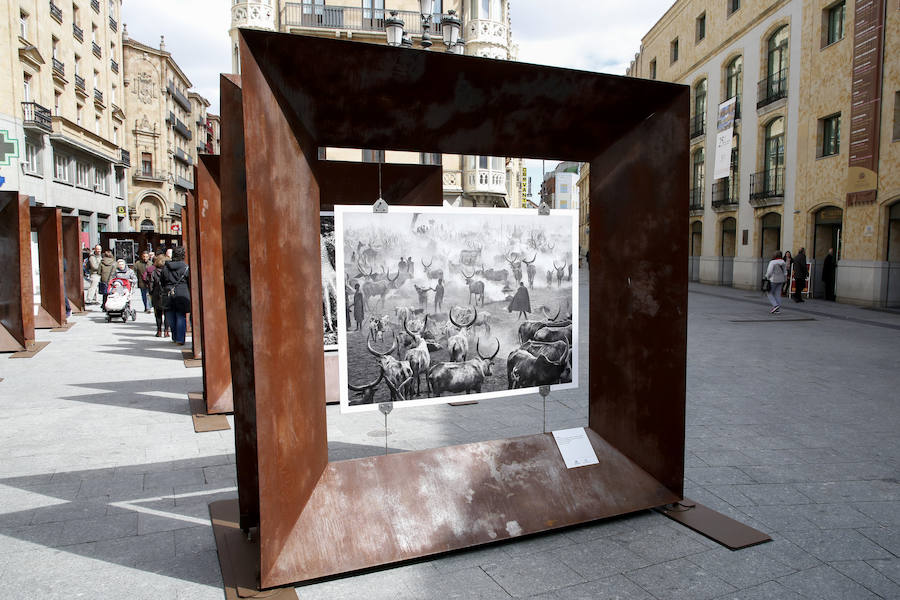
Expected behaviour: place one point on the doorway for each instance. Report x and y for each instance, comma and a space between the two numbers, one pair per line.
826, 235
696, 250
770, 235
892, 299
729, 246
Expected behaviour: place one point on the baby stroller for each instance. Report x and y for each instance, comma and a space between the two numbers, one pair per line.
118, 301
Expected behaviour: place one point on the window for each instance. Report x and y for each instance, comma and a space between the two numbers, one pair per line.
101, 180
32, 162
497, 163
373, 156
94, 33
430, 158
146, 164
734, 78
77, 65
23, 24
97, 124
653, 69
673, 51
57, 96
564, 188
79, 111
112, 94
732, 6
833, 20
701, 27
896, 116
26, 87
75, 19
778, 55
60, 167
698, 169
112, 8
774, 149
82, 174
96, 80
830, 135
55, 47
482, 162
369, 5
700, 101
116, 136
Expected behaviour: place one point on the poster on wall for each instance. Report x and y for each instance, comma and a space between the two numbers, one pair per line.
442, 303
124, 249
724, 134
329, 281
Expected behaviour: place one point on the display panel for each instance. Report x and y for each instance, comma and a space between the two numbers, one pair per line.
329, 281
441, 302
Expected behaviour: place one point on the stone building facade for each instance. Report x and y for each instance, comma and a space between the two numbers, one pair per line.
168, 127
485, 27
796, 147
63, 138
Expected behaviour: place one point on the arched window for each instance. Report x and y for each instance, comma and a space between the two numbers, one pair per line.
778, 52
699, 108
696, 238
735, 169
770, 238
697, 170
148, 225
734, 78
774, 149
729, 236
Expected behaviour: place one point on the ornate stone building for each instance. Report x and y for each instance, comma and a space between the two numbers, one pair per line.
485, 27
168, 127
814, 158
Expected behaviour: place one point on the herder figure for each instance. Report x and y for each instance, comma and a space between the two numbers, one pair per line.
521, 302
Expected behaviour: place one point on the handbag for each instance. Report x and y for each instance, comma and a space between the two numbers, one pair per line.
766, 285
170, 293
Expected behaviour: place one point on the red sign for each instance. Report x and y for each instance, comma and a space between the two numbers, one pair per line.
85, 239
175, 228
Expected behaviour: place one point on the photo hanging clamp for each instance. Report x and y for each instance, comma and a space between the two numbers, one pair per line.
380, 206
544, 209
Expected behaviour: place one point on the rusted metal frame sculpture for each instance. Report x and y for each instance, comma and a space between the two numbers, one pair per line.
16, 298
192, 257
314, 517
74, 278
210, 274
47, 222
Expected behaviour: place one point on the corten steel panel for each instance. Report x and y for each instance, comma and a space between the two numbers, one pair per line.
47, 222
74, 279
16, 299
639, 330
436, 103
210, 272
236, 254
189, 229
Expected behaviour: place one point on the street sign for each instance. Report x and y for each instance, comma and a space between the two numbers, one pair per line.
120, 211
175, 228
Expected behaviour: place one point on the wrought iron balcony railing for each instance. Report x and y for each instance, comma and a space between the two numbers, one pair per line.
179, 98
113, 25
149, 175
725, 193
183, 156
696, 199
698, 125
36, 117
185, 184
95, 4
95, 47
767, 187
352, 18
79, 82
772, 88
59, 68
98, 96
124, 157
77, 32
113, 65
55, 12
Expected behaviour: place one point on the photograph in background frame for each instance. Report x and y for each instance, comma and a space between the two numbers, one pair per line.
329, 280
448, 304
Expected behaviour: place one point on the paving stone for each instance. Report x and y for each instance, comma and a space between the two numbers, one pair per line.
600, 558
662, 543
528, 575
104, 528
890, 568
679, 579
743, 568
717, 475
825, 583
611, 588
837, 544
194, 539
885, 513
886, 537
464, 584
771, 590
82, 509
130, 551
868, 577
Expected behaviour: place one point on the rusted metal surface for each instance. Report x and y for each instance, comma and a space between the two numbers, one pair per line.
383, 509
716, 526
211, 285
74, 279
638, 334
16, 300
189, 233
47, 222
317, 518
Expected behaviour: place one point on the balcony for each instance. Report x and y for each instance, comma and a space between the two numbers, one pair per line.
95, 4
181, 128
95, 48
725, 194
178, 97
56, 12
113, 25
148, 175
124, 157
59, 68
772, 88
353, 18
98, 96
113, 65
77, 32
79, 85
767, 188
36, 117
698, 125
185, 184
183, 157
696, 201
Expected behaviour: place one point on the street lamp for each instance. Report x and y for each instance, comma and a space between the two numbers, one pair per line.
393, 25
450, 25
426, 7
458, 48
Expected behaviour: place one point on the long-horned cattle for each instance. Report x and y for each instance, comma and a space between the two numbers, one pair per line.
379, 289
432, 273
397, 372
526, 370
458, 345
476, 287
530, 270
462, 377
418, 356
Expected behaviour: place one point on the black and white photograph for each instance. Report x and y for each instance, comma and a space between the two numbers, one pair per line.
125, 249
450, 304
329, 281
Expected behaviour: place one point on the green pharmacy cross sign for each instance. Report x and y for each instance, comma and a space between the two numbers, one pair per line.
9, 148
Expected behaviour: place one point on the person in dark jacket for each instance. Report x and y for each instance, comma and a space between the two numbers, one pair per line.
140, 269
157, 294
177, 294
800, 274
521, 302
828, 272
107, 268
359, 304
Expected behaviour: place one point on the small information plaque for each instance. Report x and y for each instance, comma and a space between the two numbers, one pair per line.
575, 447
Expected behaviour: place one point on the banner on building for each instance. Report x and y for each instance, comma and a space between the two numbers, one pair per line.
524, 187
724, 133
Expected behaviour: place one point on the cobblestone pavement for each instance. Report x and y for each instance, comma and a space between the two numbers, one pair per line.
792, 427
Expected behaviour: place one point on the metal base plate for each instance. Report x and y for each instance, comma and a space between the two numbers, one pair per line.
189, 360
204, 422
32, 349
714, 525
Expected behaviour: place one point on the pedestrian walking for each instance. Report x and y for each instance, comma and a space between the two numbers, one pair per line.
439, 295
93, 273
123, 271
157, 294
106, 270
520, 302
775, 277
829, 268
359, 304
786, 286
177, 299
140, 269
801, 272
